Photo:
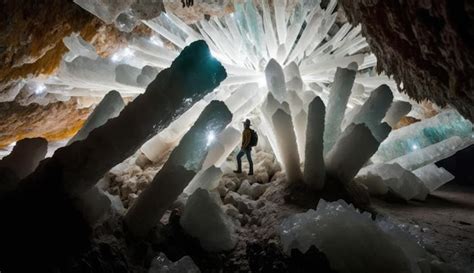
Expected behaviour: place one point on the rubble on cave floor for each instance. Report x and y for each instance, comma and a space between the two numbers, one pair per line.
150, 187
257, 205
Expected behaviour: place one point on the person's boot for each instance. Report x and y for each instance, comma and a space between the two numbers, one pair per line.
250, 171
239, 166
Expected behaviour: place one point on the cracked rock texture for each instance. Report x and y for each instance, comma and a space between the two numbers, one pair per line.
31, 36
426, 45
55, 121
199, 10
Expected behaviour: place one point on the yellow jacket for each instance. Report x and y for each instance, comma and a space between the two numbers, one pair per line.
246, 136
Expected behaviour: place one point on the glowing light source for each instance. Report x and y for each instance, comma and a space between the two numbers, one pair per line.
219, 56
414, 147
214, 54
210, 138
40, 88
122, 54
115, 57
156, 40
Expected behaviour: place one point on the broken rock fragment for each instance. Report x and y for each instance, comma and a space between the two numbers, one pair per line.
161, 264
25, 156
204, 219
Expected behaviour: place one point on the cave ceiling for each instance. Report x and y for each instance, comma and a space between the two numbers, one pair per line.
428, 47
427, 50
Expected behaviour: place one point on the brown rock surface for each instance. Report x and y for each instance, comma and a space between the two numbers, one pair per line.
31, 45
55, 121
427, 45
31, 36
199, 10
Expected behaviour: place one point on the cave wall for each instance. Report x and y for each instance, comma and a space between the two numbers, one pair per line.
31, 33
428, 45
31, 46
55, 121
31, 36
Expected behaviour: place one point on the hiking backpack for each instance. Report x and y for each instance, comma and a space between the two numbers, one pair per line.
253, 138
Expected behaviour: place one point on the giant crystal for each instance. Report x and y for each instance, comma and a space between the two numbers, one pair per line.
192, 75
286, 140
397, 110
182, 165
422, 134
374, 109
244, 41
157, 146
204, 219
94, 203
338, 98
370, 247
78, 47
240, 96
299, 121
223, 145
270, 35
25, 156
433, 177
109, 10
293, 77
268, 109
432, 153
275, 80
86, 76
379, 178
270, 105
207, 179
106, 10
314, 169
298, 117
352, 150
109, 107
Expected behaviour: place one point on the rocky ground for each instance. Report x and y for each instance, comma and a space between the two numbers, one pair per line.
444, 223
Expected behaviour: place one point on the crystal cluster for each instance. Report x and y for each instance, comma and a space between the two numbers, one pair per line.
423, 134
370, 246
178, 171
275, 58
161, 264
244, 41
405, 161
313, 95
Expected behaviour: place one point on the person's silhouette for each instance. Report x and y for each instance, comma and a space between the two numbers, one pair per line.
246, 148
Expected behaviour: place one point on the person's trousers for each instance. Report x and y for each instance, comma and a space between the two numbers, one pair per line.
248, 153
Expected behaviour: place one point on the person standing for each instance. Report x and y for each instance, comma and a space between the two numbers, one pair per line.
248, 140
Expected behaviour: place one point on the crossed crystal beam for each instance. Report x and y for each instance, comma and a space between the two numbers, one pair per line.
244, 41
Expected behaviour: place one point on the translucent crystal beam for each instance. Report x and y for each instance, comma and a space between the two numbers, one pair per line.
302, 44
244, 41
